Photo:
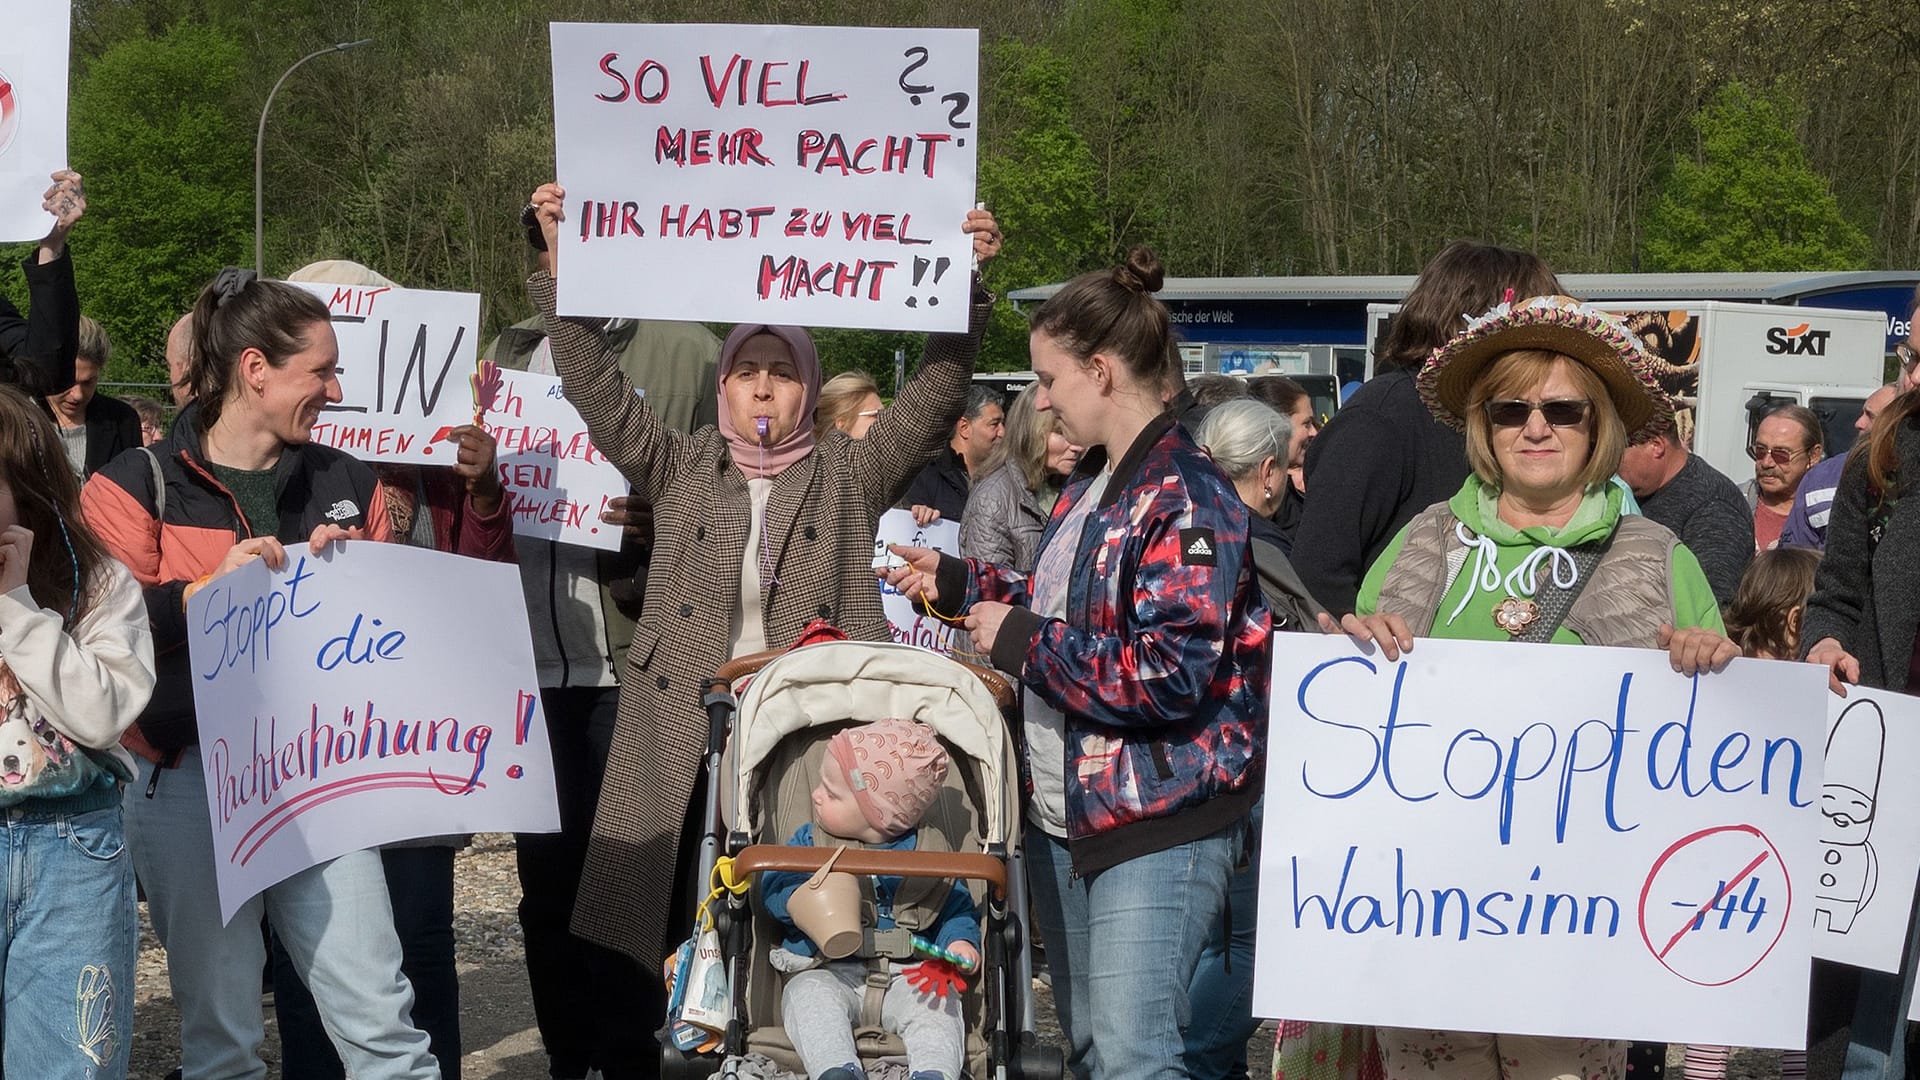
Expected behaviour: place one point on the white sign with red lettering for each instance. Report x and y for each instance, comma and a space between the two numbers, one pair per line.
33, 113
407, 358
816, 175
559, 482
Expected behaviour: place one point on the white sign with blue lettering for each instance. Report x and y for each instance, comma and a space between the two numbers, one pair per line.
369, 694
1541, 840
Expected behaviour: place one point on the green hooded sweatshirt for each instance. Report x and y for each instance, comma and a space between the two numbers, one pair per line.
1475, 505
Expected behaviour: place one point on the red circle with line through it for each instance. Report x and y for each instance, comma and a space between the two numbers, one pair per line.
1695, 875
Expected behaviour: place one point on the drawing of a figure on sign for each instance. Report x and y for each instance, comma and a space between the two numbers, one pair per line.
1848, 868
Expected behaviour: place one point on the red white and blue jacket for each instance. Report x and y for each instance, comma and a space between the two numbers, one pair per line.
1161, 664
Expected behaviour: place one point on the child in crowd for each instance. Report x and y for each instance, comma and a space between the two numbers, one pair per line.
1764, 620
876, 782
76, 667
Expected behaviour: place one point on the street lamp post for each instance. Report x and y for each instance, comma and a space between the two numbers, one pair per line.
260, 147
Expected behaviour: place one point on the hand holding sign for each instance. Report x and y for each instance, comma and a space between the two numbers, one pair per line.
474, 464
1840, 664
66, 200
1696, 650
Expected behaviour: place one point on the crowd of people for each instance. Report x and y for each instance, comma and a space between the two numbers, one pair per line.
1131, 543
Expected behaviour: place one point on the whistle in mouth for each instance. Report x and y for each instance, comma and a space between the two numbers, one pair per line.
762, 425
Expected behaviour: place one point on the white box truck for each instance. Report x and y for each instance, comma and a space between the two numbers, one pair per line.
1727, 363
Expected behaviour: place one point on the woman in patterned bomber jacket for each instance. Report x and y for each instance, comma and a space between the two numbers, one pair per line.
1143, 646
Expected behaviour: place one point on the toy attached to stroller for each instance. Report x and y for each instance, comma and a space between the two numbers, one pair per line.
916, 888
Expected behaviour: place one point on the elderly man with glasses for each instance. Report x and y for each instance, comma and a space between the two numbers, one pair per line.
1785, 446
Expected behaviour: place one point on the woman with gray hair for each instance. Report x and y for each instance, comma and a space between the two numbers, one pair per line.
1248, 440
1007, 510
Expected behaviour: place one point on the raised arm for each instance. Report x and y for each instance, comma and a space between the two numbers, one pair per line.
905, 436
623, 427
38, 351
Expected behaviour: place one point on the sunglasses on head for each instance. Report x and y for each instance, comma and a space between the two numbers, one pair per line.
1560, 412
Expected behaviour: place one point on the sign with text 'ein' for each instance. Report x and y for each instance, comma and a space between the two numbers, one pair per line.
406, 357
1443, 830
373, 693
816, 175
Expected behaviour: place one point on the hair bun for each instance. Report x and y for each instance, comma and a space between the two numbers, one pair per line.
1141, 272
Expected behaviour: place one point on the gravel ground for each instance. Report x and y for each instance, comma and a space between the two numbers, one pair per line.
497, 1019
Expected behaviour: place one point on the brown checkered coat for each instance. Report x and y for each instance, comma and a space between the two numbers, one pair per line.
821, 518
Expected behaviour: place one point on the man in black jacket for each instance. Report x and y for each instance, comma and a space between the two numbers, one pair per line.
37, 350
94, 428
947, 480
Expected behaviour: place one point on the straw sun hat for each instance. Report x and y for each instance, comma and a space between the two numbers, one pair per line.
1557, 324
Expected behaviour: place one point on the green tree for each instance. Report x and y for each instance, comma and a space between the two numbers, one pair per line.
1748, 199
1041, 181
158, 129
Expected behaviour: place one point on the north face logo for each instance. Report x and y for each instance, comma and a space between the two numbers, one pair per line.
342, 510
1196, 547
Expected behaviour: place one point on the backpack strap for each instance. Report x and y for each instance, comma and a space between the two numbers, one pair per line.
159, 485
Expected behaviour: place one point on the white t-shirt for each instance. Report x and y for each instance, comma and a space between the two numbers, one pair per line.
1045, 725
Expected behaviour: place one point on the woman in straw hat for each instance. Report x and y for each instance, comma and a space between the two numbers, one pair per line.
1548, 392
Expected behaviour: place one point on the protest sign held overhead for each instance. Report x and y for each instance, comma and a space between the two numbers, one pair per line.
781, 174
1441, 830
406, 362
33, 112
374, 693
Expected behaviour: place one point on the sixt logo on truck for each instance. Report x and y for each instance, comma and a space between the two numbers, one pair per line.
1797, 340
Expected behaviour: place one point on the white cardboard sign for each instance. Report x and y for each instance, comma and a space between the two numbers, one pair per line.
909, 621
1442, 830
815, 175
406, 356
371, 694
1869, 829
33, 112
559, 480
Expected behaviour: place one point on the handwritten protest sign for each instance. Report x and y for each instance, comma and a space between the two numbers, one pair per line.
560, 483
909, 621
815, 175
1443, 830
33, 112
372, 694
405, 359
1869, 829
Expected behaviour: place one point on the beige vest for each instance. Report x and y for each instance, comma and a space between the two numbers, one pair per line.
1627, 601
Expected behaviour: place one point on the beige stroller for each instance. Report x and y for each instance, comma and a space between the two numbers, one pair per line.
764, 752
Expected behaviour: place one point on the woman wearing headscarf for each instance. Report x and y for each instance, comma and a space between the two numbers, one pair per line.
1548, 393
760, 529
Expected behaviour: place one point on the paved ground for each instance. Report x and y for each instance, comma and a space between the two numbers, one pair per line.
497, 1018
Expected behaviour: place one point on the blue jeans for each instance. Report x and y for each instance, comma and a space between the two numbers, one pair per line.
1877, 1046
335, 919
1222, 988
1125, 1006
420, 881
68, 945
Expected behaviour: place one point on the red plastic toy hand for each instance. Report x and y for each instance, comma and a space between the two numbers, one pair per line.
936, 977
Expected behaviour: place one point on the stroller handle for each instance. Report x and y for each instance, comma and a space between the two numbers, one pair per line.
923, 864
997, 684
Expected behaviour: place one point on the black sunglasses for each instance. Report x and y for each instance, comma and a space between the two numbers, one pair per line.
1560, 412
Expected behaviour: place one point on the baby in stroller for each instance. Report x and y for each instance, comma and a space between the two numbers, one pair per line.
876, 782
